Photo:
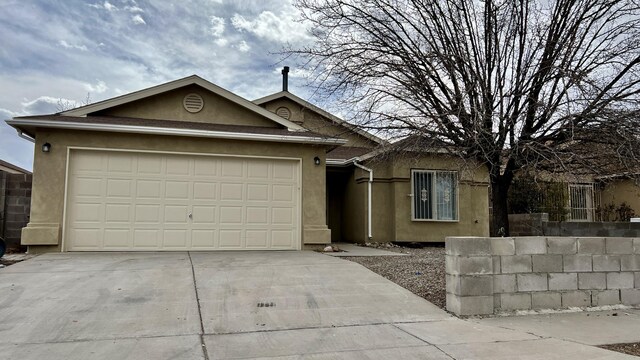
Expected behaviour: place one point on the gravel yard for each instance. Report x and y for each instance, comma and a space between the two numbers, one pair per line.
630, 349
421, 272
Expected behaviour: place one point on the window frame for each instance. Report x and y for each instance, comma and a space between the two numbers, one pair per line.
433, 195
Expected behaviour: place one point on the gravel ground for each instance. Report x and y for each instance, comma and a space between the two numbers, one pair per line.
422, 272
631, 349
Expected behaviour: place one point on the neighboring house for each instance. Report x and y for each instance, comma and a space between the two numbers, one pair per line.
579, 198
188, 165
15, 200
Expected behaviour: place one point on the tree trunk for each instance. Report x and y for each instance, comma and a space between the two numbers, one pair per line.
500, 218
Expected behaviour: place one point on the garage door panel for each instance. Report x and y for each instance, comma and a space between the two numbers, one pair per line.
176, 214
117, 213
231, 191
177, 166
88, 212
119, 188
204, 215
230, 215
205, 191
204, 239
146, 238
230, 239
178, 190
175, 239
257, 192
117, 238
149, 189
257, 239
120, 163
88, 186
143, 201
147, 214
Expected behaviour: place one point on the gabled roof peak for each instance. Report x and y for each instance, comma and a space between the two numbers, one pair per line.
175, 84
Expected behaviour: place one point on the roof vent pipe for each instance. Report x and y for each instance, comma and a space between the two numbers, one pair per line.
285, 78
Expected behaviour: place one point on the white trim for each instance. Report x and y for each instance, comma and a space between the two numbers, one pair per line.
433, 205
172, 85
320, 111
83, 148
172, 131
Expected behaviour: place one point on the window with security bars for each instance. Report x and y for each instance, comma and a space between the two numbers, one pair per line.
581, 202
434, 195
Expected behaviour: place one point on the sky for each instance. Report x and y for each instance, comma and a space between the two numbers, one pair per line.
56, 54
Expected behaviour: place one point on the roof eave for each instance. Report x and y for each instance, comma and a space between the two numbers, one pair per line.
23, 123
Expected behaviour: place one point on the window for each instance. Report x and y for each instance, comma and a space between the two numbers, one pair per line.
581, 202
434, 195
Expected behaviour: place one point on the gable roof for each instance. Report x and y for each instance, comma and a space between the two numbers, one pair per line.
176, 84
335, 119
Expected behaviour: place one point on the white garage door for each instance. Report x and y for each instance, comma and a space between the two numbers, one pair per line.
148, 201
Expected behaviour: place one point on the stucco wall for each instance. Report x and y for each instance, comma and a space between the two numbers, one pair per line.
619, 191
49, 176
168, 106
392, 205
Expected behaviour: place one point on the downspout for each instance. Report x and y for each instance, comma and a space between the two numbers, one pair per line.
370, 182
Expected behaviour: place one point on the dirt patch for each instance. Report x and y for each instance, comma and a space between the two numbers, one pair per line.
630, 349
422, 272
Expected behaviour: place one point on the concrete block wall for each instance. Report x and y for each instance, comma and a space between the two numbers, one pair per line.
16, 207
494, 275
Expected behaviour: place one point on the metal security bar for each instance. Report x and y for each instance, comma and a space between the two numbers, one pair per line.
581, 202
434, 195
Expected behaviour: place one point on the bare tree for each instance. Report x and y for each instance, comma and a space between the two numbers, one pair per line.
509, 83
64, 104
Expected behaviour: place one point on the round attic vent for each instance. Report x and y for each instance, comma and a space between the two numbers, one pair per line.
283, 112
193, 103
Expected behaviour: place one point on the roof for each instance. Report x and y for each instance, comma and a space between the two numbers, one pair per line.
347, 152
335, 119
176, 84
12, 169
28, 124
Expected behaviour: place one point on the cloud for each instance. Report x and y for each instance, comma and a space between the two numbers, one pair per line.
44, 105
221, 42
217, 26
133, 9
243, 46
98, 88
66, 45
278, 28
138, 20
106, 6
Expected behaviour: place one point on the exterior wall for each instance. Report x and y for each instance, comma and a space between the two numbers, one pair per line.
495, 275
354, 220
168, 106
15, 199
527, 224
538, 224
392, 205
315, 122
619, 191
44, 230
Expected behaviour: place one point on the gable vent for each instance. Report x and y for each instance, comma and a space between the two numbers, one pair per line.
193, 103
283, 112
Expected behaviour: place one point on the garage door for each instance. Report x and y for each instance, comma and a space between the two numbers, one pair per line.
148, 201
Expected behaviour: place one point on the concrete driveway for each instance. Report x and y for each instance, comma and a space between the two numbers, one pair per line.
237, 305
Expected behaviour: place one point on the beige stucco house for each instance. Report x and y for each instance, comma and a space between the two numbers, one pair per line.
188, 165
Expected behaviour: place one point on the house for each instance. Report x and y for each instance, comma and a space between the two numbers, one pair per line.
188, 165
15, 199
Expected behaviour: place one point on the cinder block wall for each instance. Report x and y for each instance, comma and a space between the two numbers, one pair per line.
494, 275
17, 206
